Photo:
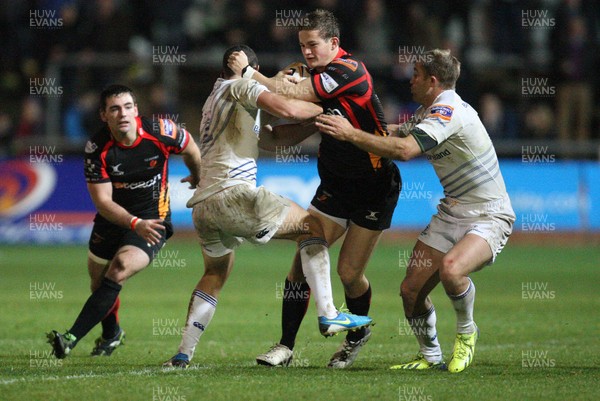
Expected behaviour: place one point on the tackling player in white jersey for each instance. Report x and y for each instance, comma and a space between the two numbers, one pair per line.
229, 209
474, 219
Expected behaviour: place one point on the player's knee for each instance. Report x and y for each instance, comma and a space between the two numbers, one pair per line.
349, 275
313, 226
450, 269
408, 291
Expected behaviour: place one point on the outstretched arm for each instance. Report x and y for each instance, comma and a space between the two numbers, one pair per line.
384, 146
285, 135
290, 109
280, 83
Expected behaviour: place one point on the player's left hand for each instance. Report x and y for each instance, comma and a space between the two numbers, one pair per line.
334, 125
192, 180
237, 61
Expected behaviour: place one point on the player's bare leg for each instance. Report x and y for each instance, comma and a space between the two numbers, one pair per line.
421, 278
468, 255
202, 306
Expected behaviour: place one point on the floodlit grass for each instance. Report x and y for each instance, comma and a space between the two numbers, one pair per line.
537, 309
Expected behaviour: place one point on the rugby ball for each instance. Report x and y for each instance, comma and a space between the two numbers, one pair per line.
298, 70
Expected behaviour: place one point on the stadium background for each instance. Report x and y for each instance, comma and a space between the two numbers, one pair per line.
522, 62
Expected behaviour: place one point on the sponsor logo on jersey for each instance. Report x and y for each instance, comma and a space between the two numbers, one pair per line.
90, 147
153, 161
329, 83
115, 169
439, 155
137, 185
441, 111
168, 128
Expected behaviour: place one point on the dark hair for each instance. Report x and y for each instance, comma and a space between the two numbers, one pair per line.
442, 65
115, 90
252, 59
323, 21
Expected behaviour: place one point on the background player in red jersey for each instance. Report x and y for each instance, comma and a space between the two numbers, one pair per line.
358, 191
126, 169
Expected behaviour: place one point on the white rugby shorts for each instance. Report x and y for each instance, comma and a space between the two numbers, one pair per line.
493, 221
241, 212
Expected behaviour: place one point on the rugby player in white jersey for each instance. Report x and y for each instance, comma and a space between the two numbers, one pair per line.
474, 219
229, 209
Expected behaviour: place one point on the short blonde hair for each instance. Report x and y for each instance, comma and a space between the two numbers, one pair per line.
442, 65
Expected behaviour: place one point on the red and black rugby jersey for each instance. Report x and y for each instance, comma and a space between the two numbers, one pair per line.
138, 173
346, 88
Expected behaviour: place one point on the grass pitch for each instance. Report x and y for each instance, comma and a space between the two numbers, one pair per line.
537, 309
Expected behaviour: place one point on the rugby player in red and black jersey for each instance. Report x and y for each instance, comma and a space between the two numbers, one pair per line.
126, 169
358, 191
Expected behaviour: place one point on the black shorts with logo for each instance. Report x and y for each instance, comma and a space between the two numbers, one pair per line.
106, 239
367, 203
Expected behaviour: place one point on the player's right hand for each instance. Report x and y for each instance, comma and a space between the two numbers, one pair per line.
148, 230
237, 61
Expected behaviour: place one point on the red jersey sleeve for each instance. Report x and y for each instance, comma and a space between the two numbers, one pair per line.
342, 76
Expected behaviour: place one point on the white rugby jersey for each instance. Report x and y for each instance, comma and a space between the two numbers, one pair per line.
464, 160
228, 137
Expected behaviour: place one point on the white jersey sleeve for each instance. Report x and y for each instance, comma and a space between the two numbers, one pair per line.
246, 92
464, 158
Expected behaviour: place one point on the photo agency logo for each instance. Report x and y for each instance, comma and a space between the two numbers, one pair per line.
293, 291
537, 19
44, 222
169, 259
44, 291
45, 19
44, 154
536, 222
166, 327
415, 190
536, 290
167, 393
290, 154
536, 154
413, 393
413, 54
43, 360
405, 328
159, 121
533, 359
44, 87
290, 18
168, 55
537, 87
413, 258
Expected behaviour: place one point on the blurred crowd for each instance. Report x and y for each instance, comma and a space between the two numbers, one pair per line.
527, 66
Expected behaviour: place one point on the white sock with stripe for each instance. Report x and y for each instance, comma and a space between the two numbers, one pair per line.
423, 327
463, 305
200, 313
316, 268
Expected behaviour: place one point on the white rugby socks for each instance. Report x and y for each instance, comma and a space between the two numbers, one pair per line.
463, 305
316, 268
200, 313
423, 327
